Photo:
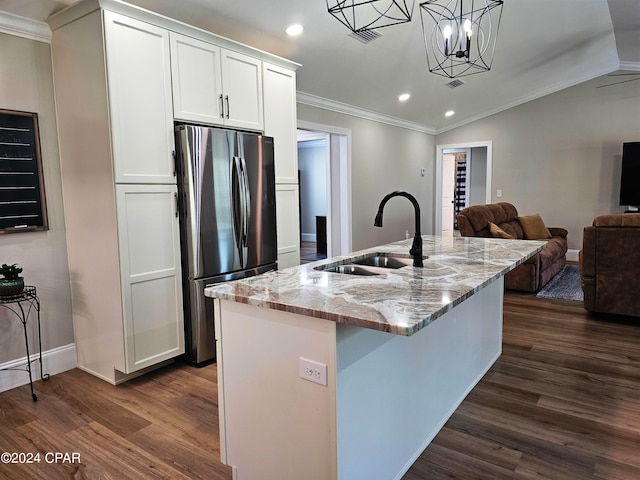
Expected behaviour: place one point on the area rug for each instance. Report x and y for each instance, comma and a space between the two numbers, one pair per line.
564, 286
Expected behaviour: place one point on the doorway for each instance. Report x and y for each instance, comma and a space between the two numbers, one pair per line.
463, 178
324, 167
456, 169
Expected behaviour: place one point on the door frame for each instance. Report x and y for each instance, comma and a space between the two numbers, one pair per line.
439, 172
339, 186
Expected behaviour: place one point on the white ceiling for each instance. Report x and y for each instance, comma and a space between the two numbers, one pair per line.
543, 46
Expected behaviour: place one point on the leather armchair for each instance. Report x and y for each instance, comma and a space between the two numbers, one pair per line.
610, 264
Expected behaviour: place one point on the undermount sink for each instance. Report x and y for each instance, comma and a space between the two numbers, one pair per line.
385, 261
348, 269
373, 264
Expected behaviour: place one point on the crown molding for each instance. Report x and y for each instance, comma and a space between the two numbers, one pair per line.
24, 27
633, 66
339, 107
85, 7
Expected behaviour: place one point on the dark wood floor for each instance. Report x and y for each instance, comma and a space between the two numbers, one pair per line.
562, 402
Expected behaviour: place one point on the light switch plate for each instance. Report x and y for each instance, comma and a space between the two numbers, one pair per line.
313, 371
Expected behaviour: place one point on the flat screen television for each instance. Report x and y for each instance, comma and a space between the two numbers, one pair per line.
630, 180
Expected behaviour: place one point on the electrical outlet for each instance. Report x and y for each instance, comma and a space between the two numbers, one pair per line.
499, 193
313, 371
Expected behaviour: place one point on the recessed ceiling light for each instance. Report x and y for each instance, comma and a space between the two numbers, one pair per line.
449, 113
404, 97
294, 30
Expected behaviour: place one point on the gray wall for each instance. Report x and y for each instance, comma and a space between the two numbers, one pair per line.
560, 155
383, 159
26, 84
312, 163
478, 177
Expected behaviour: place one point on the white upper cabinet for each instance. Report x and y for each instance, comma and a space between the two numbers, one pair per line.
197, 80
139, 79
280, 119
214, 85
242, 84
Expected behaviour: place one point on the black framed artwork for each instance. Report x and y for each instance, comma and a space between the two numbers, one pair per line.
22, 197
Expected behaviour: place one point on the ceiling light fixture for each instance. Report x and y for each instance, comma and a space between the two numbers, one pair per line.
294, 30
460, 35
449, 113
358, 15
404, 97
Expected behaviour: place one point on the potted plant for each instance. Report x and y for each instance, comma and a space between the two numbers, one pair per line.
12, 284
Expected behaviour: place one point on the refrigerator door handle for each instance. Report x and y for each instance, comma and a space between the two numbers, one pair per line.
237, 205
246, 201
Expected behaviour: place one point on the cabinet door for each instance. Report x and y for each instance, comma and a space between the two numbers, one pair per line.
288, 225
139, 85
280, 119
242, 85
150, 274
197, 80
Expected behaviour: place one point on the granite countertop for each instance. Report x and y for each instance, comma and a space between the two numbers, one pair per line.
400, 301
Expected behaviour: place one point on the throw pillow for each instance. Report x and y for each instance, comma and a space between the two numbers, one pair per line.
497, 232
533, 227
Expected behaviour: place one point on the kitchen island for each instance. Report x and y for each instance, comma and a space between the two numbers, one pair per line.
325, 375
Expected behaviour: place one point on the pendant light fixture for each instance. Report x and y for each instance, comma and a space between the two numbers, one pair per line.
360, 15
460, 35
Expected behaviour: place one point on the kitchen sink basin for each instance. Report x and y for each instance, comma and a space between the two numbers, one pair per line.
348, 269
373, 264
385, 261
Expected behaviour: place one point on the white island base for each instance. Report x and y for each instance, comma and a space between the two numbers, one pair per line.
386, 397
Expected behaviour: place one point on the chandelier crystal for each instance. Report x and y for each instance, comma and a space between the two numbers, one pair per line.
360, 15
460, 35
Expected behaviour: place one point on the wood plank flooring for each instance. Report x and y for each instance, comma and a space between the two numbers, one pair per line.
562, 402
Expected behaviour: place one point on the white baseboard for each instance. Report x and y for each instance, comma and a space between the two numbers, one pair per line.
54, 361
572, 255
308, 237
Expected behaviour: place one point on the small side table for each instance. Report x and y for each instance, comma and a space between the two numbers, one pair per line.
22, 305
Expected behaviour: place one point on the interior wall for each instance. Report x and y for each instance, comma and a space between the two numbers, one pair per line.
560, 155
26, 84
478, 177
312, 163
384, 158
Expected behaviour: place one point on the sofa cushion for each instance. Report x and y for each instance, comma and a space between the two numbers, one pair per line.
498, 232
534, 227
618, 220
474, 221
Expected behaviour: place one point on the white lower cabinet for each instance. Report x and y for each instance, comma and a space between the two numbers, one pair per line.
288, 225
148, 236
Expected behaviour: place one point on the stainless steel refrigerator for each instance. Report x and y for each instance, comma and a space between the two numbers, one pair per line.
227, 205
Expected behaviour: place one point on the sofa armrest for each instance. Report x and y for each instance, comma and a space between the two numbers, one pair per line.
558, 231
587, 255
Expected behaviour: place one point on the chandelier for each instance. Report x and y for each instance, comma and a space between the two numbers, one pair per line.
460, 36
361, 15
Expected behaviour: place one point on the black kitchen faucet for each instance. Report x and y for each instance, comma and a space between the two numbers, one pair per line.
416, 247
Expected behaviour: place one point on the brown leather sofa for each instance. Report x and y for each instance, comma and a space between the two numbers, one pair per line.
610, 264
533, 274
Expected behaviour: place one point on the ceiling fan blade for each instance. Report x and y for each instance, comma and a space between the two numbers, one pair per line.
618, 83
622, 74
